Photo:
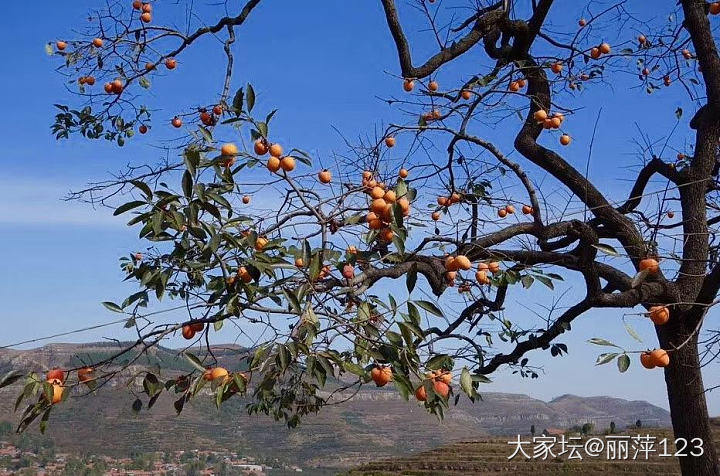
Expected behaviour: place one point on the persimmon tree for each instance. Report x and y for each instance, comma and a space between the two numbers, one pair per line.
306, 278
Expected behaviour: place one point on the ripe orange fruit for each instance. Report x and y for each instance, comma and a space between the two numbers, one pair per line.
367, 175
466, 94
299, 262
287, 163
646, 360
90, 80
450, 264
404, 204
149, 66
595, 53
494, 267
605, 48
521, 82
443, 201
435, 114
686, 54
137, 4
433, 86
147, 8
527, 209
351, 250
659, 315
582, 22
403, 174
378, 205
85, 374
557, 67
57, 393
390, 141
246, 199
715, 8
667, 81
540, 115
390, 196
435, 216
482, 266
482, 277
215, 373
670, 214
188, 332
143, 129
375, 224
117, 86
206, 118
547, 123
146, 17
565, 139
244, 274
386, 235
325, 176
441, 388
217, 110
273, 164
502, 213
455, 198
649, 264
55, 374
377, 192
97, 42
198, 326
641, 39
176, 122
381, 375
276, 150
510, 209
171, 63
645, 72
462, 262
514, 86
408, 85
260, 147
60, 45
229, 149
555, 122
444, 376
421, 394
660, 358
261, 243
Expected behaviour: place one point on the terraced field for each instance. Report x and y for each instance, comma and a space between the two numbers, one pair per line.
490, 456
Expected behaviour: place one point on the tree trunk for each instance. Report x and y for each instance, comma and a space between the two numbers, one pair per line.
686, 395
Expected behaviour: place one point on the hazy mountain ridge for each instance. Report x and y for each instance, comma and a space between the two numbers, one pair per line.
339, 436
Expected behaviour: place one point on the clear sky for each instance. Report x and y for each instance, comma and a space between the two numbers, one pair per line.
324, 64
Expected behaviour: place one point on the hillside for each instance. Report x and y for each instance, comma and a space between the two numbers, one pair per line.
490, 456
339, 436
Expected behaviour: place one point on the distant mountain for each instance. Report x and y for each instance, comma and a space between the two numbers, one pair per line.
375, 423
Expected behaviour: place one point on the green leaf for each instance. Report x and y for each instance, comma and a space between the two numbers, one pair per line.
144, 187
607, 249
632, 332
354, 368
598, 341
237, 103
128, 206
187, 183
623, 363
605, 358
10, 378
194, 361
112, 306
250, 97
430, 307
466, 382
411, 278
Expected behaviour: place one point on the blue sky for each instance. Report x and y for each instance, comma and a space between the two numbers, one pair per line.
322, 72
